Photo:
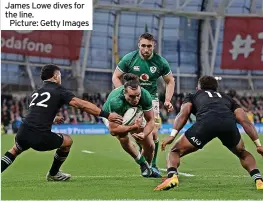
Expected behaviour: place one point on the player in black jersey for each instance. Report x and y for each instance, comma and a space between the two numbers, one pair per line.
35, 130
216, 116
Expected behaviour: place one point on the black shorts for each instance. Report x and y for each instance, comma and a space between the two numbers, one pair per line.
204, 131
29, 137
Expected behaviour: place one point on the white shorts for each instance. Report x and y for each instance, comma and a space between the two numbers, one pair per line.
156, 111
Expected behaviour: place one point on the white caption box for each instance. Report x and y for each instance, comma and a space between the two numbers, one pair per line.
46, 14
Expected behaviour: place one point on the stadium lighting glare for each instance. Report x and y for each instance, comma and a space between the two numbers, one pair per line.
218, 78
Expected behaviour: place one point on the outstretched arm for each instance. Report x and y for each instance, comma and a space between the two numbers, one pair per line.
249, 128
243, 120
179, 123
93, 109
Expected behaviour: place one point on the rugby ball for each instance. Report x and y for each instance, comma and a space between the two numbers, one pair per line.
131, 115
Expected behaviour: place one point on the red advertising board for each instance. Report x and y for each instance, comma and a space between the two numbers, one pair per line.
243, 43
52, 44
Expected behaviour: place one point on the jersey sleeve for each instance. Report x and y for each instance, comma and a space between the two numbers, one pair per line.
188, 98
147, 101
123, 64
66, 95
166, 67
113, 106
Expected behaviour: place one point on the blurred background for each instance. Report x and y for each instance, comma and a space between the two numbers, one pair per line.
222, 38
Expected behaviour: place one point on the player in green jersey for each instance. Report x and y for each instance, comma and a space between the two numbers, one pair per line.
148, 66
120, 100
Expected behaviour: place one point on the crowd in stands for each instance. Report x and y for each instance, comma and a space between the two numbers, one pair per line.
13, 110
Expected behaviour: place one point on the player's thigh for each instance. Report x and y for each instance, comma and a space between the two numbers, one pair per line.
22, 138
47, 141
200, 133
183, 146
229, 134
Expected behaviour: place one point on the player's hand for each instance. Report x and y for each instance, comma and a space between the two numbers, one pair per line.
169, 106
260, 150
138, 136
167, 140
59, 120
114, 117
138, 122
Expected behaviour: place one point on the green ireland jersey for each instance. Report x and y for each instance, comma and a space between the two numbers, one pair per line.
147, 70
116, 101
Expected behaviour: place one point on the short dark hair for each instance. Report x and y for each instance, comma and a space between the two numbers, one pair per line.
48, 71
208, 83
131, 80
147, 36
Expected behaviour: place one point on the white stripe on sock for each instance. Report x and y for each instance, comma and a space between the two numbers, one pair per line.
8, 159
138, 157
173, 172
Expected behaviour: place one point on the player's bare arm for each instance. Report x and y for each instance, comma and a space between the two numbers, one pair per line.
116, 78
249, 128
93, 109
149, 117
179, 122
122, 130
170, 83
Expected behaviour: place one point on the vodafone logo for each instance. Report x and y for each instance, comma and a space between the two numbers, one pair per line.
144, 77
24, 31
25, 44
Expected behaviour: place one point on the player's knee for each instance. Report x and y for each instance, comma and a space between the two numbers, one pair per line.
181, 150
241, 152
67, 141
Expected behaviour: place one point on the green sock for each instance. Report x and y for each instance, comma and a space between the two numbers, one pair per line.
140, 159
155, 153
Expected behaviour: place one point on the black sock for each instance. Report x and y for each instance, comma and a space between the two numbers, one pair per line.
171, 171
7, 160
59, 158
256, 174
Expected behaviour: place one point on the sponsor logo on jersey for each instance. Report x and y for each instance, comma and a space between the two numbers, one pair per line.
136, 68
144, 77
153, 69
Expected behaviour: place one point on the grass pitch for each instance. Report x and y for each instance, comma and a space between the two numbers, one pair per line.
110, 173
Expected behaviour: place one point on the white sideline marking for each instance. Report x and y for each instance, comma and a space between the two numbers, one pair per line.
88, 152
137, 176
134, 200
105, 176
181, 173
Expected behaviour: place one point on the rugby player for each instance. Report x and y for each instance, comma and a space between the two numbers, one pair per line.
131, 94
148, 66
216, 117
35, 130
